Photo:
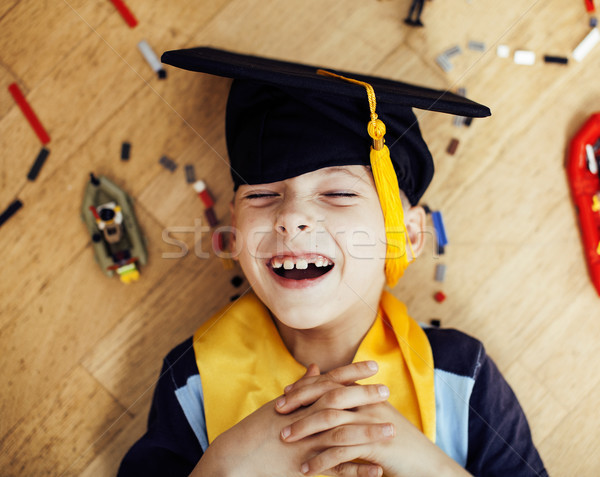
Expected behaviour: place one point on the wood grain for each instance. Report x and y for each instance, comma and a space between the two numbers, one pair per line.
81, 352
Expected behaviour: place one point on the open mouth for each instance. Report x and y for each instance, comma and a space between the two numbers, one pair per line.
301, 268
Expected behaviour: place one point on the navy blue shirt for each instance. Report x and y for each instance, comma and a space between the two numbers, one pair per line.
479, 422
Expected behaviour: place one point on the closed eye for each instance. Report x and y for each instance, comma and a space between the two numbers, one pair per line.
260, 195
340, 194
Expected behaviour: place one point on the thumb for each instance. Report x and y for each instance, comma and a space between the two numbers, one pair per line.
312, 370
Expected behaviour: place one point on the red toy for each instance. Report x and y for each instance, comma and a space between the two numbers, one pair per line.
125, 12
582, 171
589, 6
439, 297
29, 114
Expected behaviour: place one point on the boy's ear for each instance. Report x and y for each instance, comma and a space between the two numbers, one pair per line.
415, 218
231, 243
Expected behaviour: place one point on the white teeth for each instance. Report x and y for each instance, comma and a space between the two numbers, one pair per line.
301, 264
277, 263
320, 262
288, 264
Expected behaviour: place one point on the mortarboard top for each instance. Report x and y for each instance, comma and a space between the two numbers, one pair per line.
285, 119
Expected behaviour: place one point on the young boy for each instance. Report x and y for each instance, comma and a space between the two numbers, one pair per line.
318, 370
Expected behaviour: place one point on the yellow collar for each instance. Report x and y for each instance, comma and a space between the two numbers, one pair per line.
243, 363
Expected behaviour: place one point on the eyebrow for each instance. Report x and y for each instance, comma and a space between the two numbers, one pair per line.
335, 169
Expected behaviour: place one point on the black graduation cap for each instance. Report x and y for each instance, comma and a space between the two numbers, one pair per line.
285, 119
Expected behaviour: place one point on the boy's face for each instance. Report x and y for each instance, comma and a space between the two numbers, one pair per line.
313, 246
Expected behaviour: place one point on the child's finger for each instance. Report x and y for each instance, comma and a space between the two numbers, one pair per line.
303, 396
312, 371
332, 395
350, 469
332, 458
343, 375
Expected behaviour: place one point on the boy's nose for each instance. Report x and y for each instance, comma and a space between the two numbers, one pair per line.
292, 220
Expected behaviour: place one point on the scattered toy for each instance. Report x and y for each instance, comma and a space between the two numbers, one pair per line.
589, 6
593, 22
37, 165
440, 230
441, 250
10, 211
524, 57
220, 248
234, 297
586, 45
125, 12
585, 186
503, 51
452, 146
211, 217
426, 209
168, 163
476, 45
152, 59
444, 63
237, 281
417, 6
439, 297
29, 114
440, 272
435, 322
468, 121
556, 59
450, 52
125, 151
460, 120
190, 174
202, 191
118, 244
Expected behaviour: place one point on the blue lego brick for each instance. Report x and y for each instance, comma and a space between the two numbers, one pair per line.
440, 230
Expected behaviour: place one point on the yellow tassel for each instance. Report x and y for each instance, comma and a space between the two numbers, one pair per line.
386, 182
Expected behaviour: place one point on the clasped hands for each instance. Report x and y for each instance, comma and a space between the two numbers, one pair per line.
349, 421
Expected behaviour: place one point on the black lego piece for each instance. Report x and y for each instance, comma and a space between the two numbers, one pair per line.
556, 59
10, 211
435, 322
125, 151
37, 165
237, 281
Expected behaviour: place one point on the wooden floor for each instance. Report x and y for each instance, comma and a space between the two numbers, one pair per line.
81, 352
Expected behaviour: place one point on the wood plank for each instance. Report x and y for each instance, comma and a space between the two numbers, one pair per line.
51, 32
107, 460
61, 436
56, 326
571, 449
127, 360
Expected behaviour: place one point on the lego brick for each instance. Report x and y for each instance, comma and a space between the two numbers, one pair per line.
440, 272
503, 51
593, 22
444, 63
441, 250
450, 52
152, 59
435, 322
524, 57
29, 113
426, 209
37, 165
10, 211
211, 217
586, 45
452, 146
190, 174
125, 151
202, 191
440, 229
237, 281
589, 6
468, 121
125, 12
556, 59
476, 45
439, 297
167, 163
